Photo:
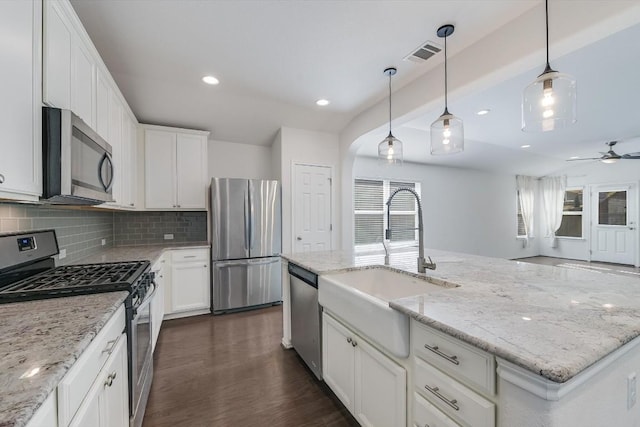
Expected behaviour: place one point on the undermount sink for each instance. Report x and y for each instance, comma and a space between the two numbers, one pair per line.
361, 298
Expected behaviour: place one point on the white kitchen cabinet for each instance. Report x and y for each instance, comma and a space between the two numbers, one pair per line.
83, 83
128, 161
96, 386
103, 94
115, 139
176, 175
371, 385
57, 62
46, 415
107, 404
20, 103
187, 282
158, 301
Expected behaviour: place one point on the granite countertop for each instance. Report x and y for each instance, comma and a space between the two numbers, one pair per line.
552, 321
137, 253
39, 342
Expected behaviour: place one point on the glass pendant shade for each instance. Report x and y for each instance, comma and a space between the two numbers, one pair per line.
447, 135
390, 150
549, 102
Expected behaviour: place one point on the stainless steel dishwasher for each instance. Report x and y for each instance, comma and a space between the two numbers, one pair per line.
306, 334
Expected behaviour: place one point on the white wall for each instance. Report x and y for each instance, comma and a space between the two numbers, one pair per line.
588, 176
233, 160
463, 210
307, 147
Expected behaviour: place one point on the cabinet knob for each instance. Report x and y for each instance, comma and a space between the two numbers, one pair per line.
1, 179
131, 204
354, 343
298, 238
178, 205
205, 266
349, 339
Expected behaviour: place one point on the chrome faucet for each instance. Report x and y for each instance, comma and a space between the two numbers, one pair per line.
422, 263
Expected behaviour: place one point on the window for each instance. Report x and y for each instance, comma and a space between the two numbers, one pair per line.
370, 215
571, 225
522, 230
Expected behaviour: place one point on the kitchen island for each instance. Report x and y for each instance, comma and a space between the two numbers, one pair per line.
40, 341
552, 330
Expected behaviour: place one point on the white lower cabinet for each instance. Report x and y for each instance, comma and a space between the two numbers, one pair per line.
371, 385
47, 414
107, 403
454, 383
95, 391
187, 284
158, 303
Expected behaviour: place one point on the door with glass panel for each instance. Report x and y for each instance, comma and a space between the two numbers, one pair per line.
613, 225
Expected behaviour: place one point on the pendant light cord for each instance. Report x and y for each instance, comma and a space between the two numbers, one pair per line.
389, 103
546, 15
446, 109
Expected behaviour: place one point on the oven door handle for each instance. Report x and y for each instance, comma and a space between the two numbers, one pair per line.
147, 298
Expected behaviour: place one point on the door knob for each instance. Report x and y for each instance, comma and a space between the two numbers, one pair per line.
298, 238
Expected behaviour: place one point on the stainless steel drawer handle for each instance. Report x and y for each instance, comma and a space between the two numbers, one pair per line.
436, 350
109, 347
189, 256
436, 392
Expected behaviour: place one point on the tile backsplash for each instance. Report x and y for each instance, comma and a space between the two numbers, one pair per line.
80, 232
145, 228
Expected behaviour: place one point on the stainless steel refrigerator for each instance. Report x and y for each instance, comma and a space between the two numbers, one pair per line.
245, 243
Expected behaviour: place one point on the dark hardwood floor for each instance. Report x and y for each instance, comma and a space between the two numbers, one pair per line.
231, 370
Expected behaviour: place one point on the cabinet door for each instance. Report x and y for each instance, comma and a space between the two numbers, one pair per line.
157, 307
103, 93
380, 388
189, 286
115, 140
58, 39
82, 83
159, 171
114, 399
338, 358
128, 162
191, 171
20, 102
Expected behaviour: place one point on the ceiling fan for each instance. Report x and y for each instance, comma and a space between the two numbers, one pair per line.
611, 156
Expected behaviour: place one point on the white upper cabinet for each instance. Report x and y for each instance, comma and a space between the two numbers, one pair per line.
20, 102
115, 139
57, 65
176, 173
103, 93
83, 84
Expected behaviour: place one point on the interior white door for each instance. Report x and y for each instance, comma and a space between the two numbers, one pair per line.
312, 208
613, 226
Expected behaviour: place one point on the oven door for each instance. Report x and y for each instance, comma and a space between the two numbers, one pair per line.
141, 358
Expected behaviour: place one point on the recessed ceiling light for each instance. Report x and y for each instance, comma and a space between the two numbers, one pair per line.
483, 112
210, 80
322, 102
525, 146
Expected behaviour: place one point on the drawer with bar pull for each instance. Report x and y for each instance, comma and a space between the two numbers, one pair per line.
187, 255
451, 397
427, 415
470, 365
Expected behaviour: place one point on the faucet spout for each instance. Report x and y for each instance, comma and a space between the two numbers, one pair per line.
422, 263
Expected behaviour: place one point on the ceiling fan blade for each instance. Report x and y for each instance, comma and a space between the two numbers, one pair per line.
631, 156
590, 158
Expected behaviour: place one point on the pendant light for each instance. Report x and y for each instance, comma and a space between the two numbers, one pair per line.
447, 132
550, 101
390, 149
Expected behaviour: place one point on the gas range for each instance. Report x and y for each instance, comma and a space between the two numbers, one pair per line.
28, 272
76, 280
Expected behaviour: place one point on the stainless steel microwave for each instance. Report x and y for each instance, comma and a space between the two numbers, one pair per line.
77, 162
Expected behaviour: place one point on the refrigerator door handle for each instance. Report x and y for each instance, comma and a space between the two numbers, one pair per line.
246, 223
251, 217
264, 261
227, 264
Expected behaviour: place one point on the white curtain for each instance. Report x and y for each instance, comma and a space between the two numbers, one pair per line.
526, 193
553, 189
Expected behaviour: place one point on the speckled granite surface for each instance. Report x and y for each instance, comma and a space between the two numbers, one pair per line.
48, 335
553, 321
136, 253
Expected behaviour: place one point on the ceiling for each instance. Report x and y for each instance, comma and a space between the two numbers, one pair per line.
275, 58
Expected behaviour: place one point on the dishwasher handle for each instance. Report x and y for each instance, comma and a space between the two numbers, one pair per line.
308, 277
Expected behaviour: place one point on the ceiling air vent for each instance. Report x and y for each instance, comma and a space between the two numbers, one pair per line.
424, 52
